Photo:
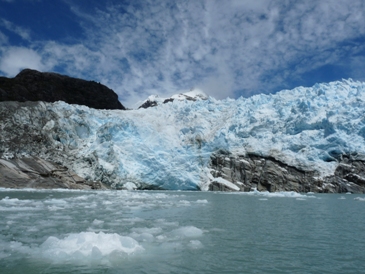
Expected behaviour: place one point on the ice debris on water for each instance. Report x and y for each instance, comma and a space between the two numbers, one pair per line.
99, 237
89, 244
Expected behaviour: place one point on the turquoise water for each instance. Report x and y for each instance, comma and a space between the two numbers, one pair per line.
180, 232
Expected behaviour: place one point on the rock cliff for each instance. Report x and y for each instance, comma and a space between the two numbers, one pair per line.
32, 85
248, 172
34, 172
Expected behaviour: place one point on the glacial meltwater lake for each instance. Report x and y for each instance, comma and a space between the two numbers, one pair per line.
63, 231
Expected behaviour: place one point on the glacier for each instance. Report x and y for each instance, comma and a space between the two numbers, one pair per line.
170, 146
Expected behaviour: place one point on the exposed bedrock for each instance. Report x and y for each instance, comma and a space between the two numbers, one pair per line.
32, 85
34, 172
248, 172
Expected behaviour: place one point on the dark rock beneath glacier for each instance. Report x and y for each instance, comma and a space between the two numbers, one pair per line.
32, 85
217, 186
250, 172
34, 172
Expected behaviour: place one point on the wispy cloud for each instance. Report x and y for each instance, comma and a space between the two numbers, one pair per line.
3, 39
226, 48
22, 32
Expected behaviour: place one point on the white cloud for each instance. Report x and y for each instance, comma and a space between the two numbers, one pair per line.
221, 47
14, 59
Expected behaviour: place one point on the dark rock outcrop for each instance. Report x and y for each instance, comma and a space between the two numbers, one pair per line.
32, 85
34, 172
148, 104
268, 174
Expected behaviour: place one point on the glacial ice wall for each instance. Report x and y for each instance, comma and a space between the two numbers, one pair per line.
170, 145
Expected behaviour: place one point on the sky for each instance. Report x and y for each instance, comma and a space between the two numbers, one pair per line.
226, 48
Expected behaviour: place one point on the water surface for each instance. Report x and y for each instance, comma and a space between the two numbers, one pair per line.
59, 231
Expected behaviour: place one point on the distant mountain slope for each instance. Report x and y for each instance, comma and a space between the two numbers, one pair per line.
32, 85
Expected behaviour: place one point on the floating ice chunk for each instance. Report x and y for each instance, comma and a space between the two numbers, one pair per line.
133, 220
187, 231
97, 222
184, 203
288, 194
88, 245
361, 199
117, 257
163, 222
17, 246
202, 201
153, 230
32, 229
342, 198
7, 200
56, 201
96, 253
54, 208
143, 237
161, 237
195, 244
130, 186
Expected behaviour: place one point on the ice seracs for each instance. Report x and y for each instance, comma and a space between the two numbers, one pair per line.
298, 137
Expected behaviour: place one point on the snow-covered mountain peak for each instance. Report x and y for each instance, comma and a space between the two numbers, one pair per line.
192, 95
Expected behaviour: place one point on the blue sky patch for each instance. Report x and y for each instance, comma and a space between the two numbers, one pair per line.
225, 48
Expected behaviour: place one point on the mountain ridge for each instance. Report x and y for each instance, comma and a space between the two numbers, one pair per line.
32, 85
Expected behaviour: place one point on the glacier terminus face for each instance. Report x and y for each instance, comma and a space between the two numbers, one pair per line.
170, 146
